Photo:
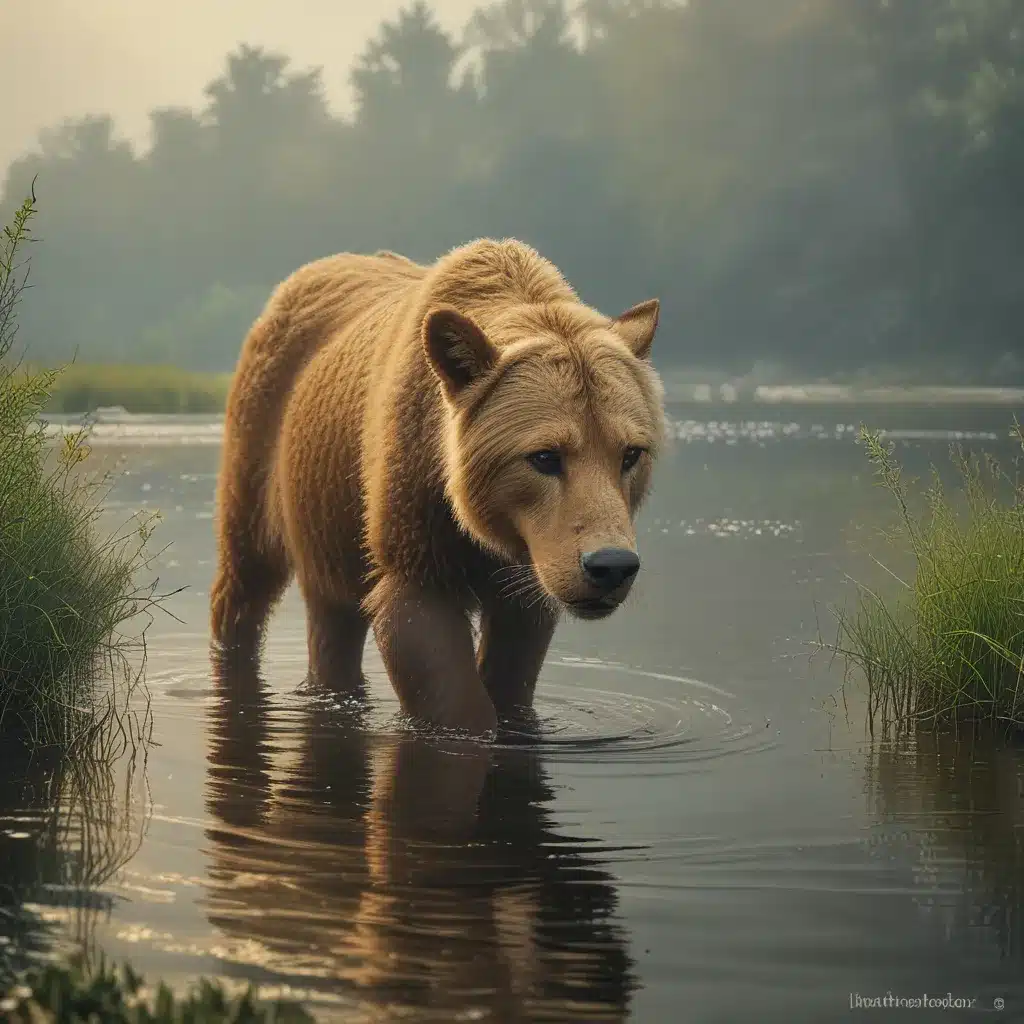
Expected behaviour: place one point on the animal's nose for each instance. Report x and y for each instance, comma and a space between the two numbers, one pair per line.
610, 568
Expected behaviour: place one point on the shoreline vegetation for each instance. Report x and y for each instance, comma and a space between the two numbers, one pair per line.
74, 992
943, 644
67, 595
140, 389
85, 387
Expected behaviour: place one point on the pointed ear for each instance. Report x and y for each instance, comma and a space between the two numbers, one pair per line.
637, 326
457, 350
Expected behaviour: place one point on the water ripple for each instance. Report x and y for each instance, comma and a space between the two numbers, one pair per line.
638, 716
680, 720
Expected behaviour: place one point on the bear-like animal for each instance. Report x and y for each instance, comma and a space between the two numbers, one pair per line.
418, 444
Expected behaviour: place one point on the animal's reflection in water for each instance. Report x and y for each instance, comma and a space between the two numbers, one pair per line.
407, 871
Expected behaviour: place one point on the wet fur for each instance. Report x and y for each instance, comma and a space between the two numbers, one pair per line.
374, 449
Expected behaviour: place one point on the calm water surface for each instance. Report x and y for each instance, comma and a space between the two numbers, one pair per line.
702, 831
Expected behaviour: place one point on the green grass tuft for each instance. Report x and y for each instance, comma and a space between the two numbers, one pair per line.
949, 647
72, 994
65, 592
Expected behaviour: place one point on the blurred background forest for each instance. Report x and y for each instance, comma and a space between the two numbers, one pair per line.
812, 187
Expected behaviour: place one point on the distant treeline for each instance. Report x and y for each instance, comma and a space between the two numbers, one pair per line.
824, 184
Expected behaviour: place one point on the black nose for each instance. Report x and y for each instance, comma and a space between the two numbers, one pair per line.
609, 568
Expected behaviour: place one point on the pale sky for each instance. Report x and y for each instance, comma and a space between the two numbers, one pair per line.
69, 58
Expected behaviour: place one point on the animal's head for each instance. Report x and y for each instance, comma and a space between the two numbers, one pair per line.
552, 437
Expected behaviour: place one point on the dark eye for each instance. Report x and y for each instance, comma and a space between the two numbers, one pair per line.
548, 461
630, 458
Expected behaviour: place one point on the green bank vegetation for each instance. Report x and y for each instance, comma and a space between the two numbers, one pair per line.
66, 595
85, 387
66, 591
72, 994
949, 646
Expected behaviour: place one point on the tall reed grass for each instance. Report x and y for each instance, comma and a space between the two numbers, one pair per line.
66, 591
949, 646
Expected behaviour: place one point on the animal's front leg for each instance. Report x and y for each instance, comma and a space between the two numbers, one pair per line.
514, 641
426, 643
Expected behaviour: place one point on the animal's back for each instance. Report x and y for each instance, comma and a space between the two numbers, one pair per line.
317, 304
277, 385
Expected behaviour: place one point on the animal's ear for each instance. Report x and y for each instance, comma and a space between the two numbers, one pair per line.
637, 326
457, 350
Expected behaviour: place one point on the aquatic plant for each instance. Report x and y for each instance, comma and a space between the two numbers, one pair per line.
73, 993
66, 592
949, 646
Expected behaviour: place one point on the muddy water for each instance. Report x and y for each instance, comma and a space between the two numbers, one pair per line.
699, 831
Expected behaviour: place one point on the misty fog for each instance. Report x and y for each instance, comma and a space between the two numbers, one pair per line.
819, 187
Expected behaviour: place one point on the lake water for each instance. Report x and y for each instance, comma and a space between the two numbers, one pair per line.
703, 832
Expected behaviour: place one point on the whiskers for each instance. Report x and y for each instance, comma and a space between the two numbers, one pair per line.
517, 580
520, 582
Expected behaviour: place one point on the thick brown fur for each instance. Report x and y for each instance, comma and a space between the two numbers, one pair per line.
375, 447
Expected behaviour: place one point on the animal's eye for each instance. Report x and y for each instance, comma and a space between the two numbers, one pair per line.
631, 457
547, 461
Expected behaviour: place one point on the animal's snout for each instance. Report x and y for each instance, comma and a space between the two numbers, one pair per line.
607, 569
